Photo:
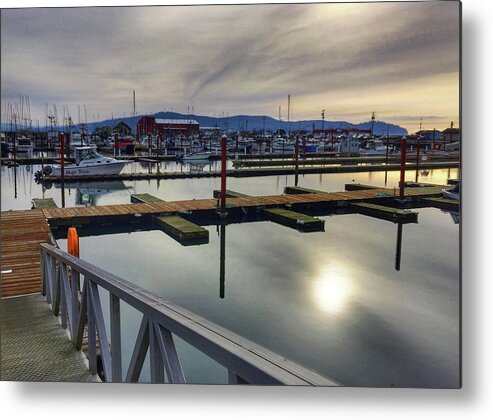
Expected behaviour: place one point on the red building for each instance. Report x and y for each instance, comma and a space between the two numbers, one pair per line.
166, 127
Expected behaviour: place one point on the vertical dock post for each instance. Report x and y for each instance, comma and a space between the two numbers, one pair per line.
15, 150
296, 151
403, 167
69, 135
387, 155
222, 260
417, 157
223, 173
398, 248
62, 166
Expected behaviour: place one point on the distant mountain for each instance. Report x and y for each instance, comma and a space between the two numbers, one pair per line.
253, 122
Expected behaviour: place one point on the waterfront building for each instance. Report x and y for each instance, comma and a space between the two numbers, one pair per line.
167, 127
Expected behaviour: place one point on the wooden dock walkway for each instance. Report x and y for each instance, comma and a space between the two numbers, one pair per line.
21, 233
82, 215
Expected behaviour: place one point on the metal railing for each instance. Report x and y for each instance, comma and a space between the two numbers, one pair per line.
246, 362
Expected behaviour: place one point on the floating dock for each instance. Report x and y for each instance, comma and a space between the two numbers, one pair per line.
246, 163
144, 198
358, 187
255, 172
208, 207
295, 220
385, 213
300, 190
229, 194
43, 203
184, 231
442, 203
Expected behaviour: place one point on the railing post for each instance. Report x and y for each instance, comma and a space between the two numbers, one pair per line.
65, 302
139, 353
156, 359
234, 379
42, 262
169, 355
74, 293
56, 297
104, 346
91, 330
116, 339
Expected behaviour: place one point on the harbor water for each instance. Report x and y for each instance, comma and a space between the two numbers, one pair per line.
343, 302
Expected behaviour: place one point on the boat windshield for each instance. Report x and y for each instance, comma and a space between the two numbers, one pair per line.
88, 154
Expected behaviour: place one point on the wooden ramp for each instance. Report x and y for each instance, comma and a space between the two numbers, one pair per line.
21, 233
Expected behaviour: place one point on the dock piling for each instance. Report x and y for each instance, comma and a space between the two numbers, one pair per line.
297, 149
403, 166
62, 164
223, 173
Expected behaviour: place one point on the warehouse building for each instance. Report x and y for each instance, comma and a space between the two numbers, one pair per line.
167, 127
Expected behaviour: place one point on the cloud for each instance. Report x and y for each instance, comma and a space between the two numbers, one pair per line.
242, 58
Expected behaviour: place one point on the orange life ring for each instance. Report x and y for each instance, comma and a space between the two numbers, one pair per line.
73, 242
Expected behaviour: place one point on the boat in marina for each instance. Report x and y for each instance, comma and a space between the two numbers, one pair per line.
88, 162
453, 193
195, 156
23, 145
5, 145
376, 148
281, 145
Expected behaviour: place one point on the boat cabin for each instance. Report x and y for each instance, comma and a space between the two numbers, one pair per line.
89, 153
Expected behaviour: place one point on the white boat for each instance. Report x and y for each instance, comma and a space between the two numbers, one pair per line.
377, 148
452, 194
197, 156
77, 141
281, 145
24, 145
89, 162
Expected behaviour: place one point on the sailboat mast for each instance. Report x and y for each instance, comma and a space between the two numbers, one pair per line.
279, 119
289, 103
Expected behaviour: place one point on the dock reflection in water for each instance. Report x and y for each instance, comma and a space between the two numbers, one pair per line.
89, 193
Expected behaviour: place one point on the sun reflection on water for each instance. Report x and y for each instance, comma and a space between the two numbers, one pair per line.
333, 288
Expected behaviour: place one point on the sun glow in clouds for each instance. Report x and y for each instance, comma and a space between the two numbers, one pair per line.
333, 288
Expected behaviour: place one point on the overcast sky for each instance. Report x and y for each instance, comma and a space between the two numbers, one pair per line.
400, 60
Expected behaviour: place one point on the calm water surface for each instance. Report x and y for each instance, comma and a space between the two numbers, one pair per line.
332, 301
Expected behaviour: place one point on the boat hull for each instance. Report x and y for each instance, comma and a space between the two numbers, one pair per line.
196, 157
113, 168
451, 195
